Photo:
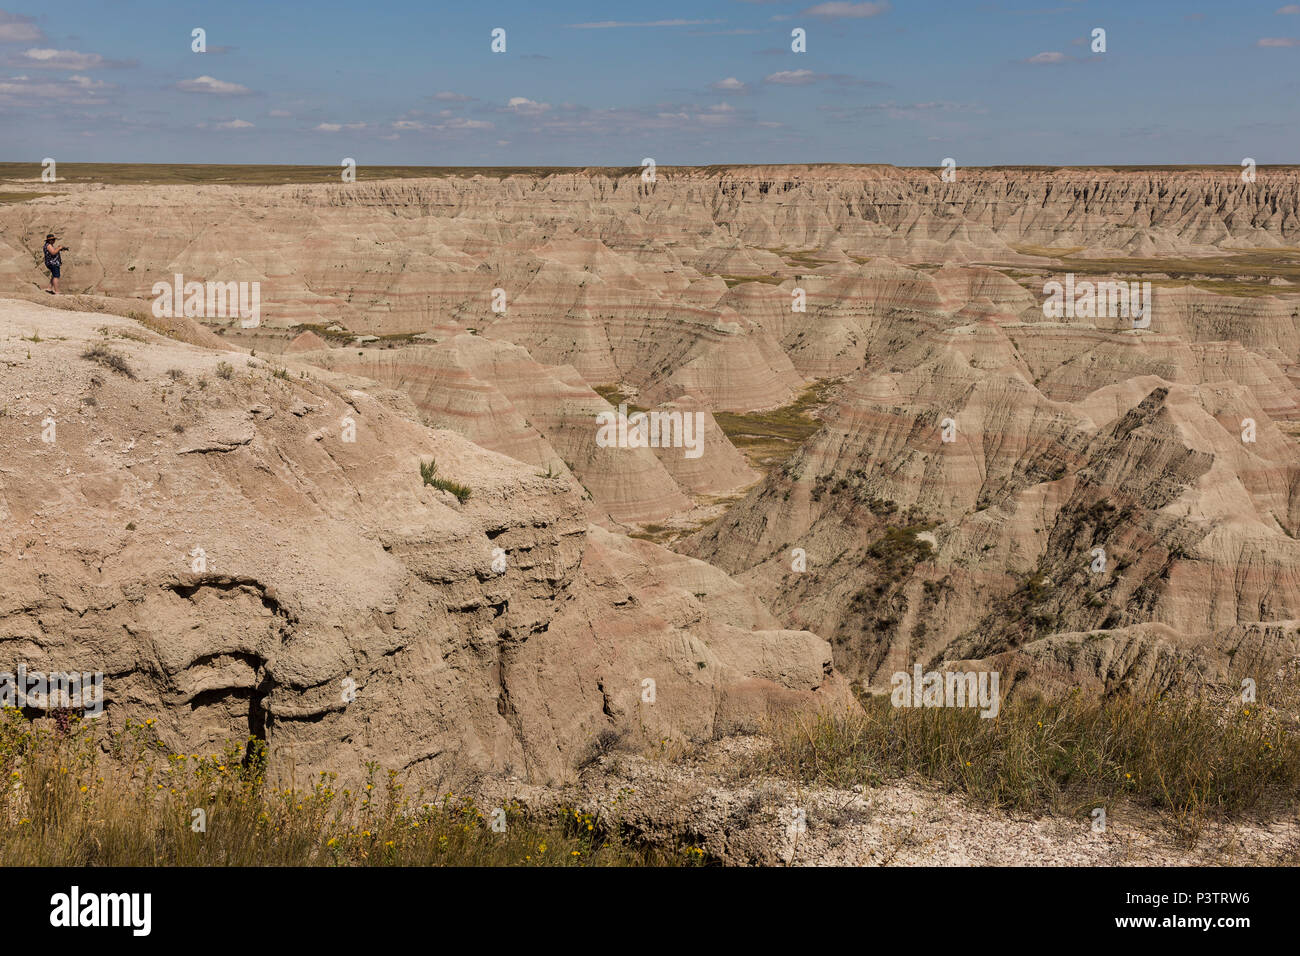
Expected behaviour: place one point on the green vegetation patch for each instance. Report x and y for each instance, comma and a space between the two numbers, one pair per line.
769, 438
615, 395
8, 197
1243, 274
429, 472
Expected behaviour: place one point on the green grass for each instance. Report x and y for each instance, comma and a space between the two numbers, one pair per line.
615, 395
769, 438
8, 197
385, 340
799, 258
429, 473
1243, 274
900, 548
734, 280
658, 533
1188, 759
67, 802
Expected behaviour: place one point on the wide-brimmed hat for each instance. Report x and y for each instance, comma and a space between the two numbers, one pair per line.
50, 236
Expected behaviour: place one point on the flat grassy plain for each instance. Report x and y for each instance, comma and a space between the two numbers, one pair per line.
1245, 273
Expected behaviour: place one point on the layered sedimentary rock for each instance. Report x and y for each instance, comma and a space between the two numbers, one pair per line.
974, 455
628, 281
251, 549
954, 511
495, 395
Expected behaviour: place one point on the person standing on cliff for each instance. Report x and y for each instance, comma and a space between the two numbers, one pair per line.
53, 261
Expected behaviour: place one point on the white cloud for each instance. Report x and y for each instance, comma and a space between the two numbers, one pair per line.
208, 84
1050, 57
456, 122
336, 127
61, 59
791, 77
730, 85
449, 97
1292, 8
279, 113
235, 124
615, 24
19, 29
21, 90
525, 106
848, 10
1278, 41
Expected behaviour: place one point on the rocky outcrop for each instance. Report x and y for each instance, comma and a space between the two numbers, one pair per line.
494, 394
1141, 504
245, 548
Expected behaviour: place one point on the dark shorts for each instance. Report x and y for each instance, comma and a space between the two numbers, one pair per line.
54, 270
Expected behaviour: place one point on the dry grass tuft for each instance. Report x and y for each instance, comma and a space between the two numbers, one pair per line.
66, 803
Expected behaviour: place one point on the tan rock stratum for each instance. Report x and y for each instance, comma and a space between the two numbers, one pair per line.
328, 570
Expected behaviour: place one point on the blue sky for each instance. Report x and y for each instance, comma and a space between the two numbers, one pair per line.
907, 82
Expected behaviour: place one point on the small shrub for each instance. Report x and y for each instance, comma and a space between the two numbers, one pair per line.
109, 359
429, 473
606, 742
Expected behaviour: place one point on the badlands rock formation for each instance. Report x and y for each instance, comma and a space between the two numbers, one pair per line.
1075, 500
195, 524
499, 398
